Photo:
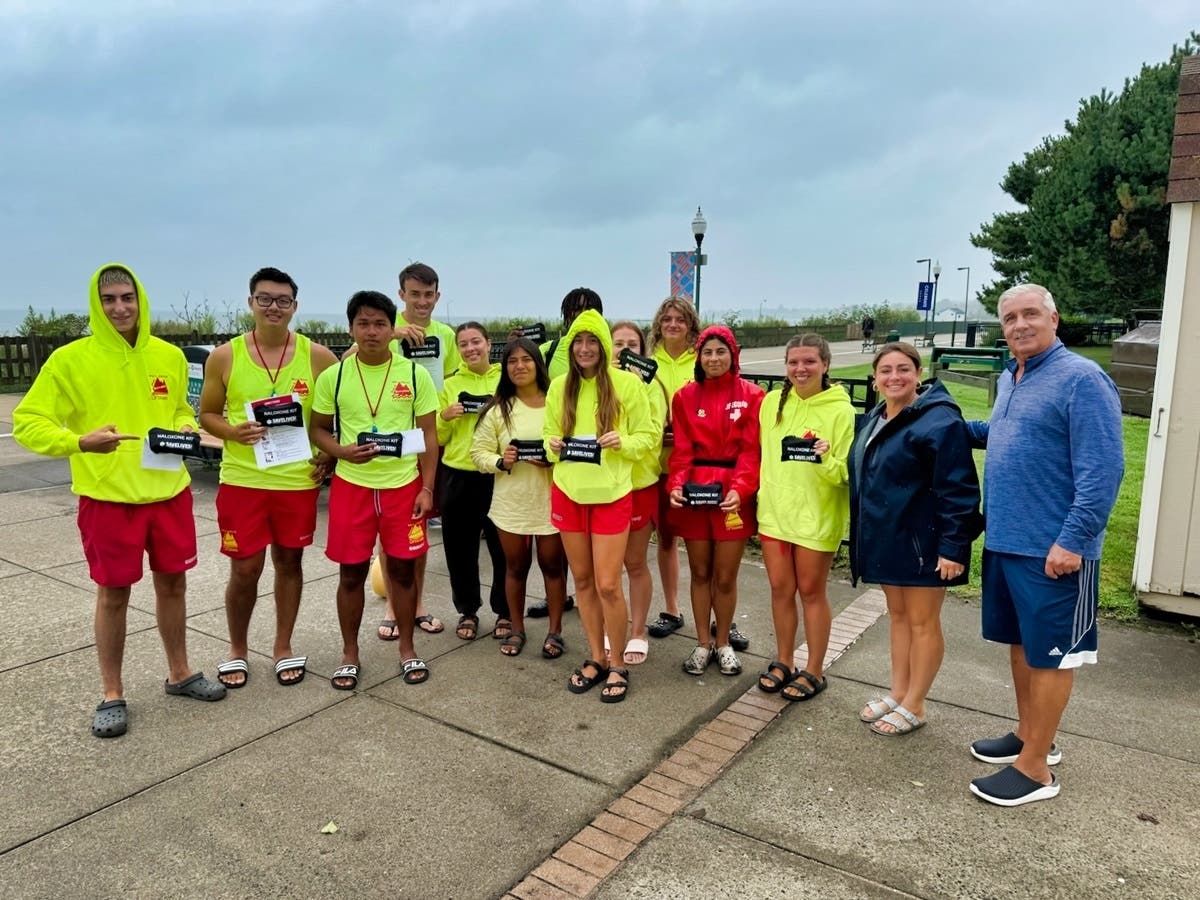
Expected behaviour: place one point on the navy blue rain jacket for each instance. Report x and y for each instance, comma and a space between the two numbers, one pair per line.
914, 493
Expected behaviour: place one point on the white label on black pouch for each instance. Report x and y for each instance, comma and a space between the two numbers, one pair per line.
388, 443
529, 451
285, 412
797, 449
472, 403
697, 494
431, 349
584, 450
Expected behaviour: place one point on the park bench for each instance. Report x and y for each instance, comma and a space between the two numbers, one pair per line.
984, 366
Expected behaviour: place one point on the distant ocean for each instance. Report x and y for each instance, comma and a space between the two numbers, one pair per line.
10, 319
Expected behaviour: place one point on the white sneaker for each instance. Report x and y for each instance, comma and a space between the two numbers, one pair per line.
728, 661
698, 661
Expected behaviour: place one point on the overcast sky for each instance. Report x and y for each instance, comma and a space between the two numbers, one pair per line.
523, 148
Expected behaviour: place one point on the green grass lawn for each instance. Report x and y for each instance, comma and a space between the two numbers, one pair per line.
1118, 600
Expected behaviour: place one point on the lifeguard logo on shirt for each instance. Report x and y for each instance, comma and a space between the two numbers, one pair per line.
401, 391
158, 387
735, 408
701, 414
229, 541
300, 387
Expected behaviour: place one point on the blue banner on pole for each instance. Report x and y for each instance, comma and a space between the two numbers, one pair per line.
924, 295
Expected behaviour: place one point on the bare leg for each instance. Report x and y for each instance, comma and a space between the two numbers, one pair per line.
350, 601
781, 575
608, 554
578, 547
241, 594
551, 559
402, 583
900, 636
518, 557
700, 565
1049, 692
668, 573
812, 577
641, 587
727, 559
111, 606
923, 607
170, 608
289, 581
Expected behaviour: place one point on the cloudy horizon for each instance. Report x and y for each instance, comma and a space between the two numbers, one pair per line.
523, 148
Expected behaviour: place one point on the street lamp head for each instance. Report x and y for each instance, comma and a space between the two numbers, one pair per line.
699, 226
926, 259
937, 269
964, 268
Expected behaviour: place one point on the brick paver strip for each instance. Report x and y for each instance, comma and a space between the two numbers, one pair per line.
585, 858
664, 803
536, 889
643, 815
603, 842
579, 865
621, 827
566, 877
754, 726
737, 732
688, 775
708, 751
716, 739
669, 786
751, 710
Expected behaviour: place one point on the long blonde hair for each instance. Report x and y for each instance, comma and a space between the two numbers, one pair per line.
608, 406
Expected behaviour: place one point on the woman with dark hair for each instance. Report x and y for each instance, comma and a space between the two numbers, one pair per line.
806, 430
914, 511
506, 444
673, 335
646, 468
556, 352
713, 481
466, 494
597, 425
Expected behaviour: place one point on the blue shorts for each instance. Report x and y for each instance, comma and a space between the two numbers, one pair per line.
1053, 619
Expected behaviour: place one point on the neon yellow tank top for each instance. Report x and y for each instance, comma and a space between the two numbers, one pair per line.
249, 381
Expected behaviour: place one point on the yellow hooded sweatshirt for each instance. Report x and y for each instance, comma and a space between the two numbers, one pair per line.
586, 482
101, 380
806, 503
457, 435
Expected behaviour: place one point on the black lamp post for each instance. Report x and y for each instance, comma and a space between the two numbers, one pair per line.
699, 226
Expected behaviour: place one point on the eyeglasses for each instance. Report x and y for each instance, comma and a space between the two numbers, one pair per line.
265, 301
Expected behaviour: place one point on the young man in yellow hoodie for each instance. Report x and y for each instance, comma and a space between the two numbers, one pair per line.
95, 402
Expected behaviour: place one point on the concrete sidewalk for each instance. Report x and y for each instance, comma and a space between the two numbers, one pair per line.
493, 779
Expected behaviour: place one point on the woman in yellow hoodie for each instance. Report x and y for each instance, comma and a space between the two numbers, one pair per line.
806, 430
645, 498
467, 493
597, 424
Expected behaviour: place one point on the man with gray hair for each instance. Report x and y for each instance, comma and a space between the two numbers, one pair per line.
103, 401
1054, 464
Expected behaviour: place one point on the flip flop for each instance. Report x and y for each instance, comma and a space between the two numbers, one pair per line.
347, 671
804, 686
390, 626
197, 687
903, 721
637, 647
231, 666
429, 624
291, 664
412, 669
111, 719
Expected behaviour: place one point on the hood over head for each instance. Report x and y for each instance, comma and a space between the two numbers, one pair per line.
104, 330
592, 322
725, 335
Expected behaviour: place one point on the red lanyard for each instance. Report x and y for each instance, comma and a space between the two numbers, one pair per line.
279, 368
379, 399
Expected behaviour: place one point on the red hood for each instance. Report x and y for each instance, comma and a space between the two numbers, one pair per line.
725, 335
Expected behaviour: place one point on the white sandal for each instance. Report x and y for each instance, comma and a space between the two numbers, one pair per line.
728, 661
878, 708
